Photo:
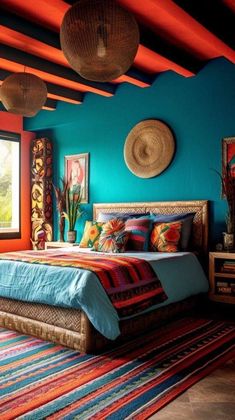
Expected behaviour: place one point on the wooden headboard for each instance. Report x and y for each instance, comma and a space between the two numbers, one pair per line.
200, 222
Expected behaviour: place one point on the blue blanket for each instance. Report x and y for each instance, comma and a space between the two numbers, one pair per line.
180, 274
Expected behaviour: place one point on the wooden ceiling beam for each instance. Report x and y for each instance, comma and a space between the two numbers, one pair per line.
53, 89
214, 16
23, 26
56, 92
178, 27
174, 53
149, 61
14, 39
230, 4
69, 95
15, 67
165, 18
55, 70
50, 105
135, 77
143, 62
49, 14
27, 44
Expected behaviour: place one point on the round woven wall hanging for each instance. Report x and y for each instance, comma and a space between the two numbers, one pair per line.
149, 148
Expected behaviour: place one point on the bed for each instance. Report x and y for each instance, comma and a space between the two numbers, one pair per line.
72, 327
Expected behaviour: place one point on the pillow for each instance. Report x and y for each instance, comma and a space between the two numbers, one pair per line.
165, 237
105, 217
91, 234
187, 222
113, 237
139, 232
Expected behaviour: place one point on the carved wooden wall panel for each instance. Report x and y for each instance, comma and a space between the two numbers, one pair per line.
41, 192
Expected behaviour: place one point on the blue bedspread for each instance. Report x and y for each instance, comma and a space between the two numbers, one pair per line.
180, 274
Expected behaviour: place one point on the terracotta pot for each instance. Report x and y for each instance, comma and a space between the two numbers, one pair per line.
71, 236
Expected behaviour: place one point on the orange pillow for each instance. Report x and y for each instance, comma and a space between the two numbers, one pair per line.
165, 237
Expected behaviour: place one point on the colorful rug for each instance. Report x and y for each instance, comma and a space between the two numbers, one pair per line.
41, 380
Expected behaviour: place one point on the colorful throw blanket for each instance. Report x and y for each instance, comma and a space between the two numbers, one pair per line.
131, 283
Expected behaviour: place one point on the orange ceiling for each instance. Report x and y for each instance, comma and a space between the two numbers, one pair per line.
164, 21
47, 77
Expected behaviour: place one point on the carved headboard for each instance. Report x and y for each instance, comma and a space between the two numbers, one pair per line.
199, 241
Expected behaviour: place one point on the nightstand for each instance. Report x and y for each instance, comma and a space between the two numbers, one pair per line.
222, 276
57, 244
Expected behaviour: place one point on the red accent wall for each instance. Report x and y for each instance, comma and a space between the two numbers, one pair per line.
14, 123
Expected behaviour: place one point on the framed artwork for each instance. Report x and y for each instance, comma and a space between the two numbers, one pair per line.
228, 156
228, 153
76, 172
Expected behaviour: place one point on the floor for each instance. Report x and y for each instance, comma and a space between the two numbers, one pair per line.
212, 398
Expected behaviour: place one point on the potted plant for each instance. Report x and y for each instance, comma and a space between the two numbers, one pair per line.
73, 211
60, 195
228, 192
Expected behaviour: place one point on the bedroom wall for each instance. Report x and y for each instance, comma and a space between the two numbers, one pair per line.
200, 110
14, 123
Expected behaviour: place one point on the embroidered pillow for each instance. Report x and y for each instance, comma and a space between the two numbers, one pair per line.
187, 221
165, 237
139, 232
113, 237
91, 234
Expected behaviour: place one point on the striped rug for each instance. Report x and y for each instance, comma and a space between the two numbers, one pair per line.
41, 380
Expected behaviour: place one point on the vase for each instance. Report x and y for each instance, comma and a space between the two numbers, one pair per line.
228, 240
71, 236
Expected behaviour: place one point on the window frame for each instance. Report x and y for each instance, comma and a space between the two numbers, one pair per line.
16, 137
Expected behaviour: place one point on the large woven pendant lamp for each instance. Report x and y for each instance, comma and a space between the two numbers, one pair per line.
23, 94
99, 39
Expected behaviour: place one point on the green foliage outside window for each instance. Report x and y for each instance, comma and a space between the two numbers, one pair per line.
5, 184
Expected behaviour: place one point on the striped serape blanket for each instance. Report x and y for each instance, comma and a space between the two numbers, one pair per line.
131, 283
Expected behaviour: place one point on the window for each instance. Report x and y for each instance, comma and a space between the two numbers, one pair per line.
9, 185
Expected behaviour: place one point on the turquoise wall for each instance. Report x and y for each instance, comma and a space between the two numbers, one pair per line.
200, 110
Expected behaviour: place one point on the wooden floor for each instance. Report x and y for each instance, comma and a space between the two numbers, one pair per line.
211, 398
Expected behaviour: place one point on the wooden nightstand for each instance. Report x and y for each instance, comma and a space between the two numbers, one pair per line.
57, 244
222, 276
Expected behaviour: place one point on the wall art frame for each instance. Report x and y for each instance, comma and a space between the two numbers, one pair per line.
76, 172
228, 153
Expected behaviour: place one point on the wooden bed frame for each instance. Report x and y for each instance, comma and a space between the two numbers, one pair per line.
71, 327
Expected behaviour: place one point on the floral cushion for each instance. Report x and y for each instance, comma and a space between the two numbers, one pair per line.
187, 222
165, 237
139, 231
91, 234
113, 237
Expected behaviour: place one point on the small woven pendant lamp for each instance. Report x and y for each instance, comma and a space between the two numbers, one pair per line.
23, 94
99, 39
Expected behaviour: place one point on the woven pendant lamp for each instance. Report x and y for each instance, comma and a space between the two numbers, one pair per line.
99, 39
23, 94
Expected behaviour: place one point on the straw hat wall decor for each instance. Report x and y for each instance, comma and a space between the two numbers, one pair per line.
99, 39
149, 148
